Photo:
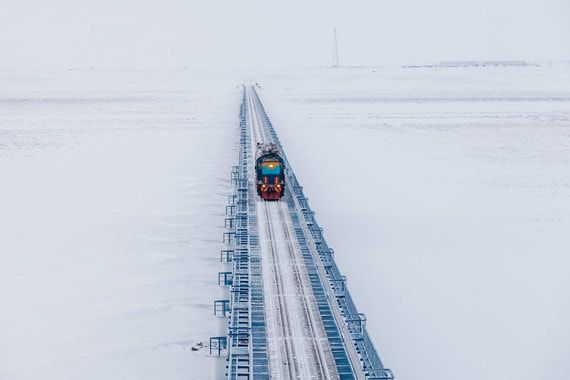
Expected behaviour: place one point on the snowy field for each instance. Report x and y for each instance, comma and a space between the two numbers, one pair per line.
112, 199
445, 193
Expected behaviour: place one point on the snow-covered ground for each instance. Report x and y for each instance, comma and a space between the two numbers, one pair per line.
112, 198
445, 193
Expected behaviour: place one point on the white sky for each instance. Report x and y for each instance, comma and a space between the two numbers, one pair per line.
232, 33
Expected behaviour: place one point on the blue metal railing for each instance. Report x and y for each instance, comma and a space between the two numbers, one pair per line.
247, 355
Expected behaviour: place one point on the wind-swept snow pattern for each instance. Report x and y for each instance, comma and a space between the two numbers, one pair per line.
456, 246
108, 219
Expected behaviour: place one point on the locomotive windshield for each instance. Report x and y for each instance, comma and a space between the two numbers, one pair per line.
270, 168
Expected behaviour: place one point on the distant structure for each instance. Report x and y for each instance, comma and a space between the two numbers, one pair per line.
482, 63
445, 64
335, 60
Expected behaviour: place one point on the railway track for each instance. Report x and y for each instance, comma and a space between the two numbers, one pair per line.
297, 343
311, 320
300, 349
291, 314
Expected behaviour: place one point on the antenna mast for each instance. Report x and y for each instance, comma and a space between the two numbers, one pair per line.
335, 60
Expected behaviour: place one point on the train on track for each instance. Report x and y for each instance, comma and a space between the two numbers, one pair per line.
269, 172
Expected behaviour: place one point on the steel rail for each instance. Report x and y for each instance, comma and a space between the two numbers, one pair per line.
285, 323
311, 319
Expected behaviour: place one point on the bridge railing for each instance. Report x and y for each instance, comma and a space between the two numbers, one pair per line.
246, 341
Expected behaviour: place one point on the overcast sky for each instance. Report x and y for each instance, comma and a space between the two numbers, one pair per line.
246, 33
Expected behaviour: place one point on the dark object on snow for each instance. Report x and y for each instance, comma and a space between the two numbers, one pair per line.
269, 172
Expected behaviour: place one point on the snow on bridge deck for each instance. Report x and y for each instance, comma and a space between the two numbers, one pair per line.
296, 339
298, 345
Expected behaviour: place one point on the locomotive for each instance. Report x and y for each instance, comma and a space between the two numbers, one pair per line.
269, 172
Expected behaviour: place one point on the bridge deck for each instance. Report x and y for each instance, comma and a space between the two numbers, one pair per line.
291, 316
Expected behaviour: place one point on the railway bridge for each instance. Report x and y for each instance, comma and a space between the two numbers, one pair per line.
290, 315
